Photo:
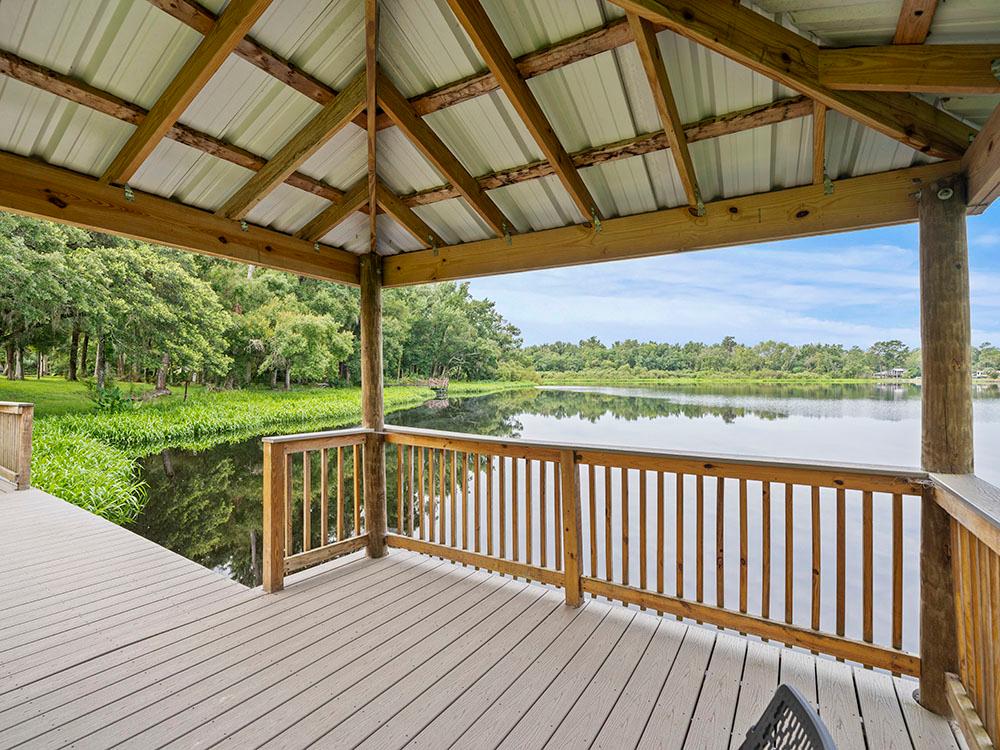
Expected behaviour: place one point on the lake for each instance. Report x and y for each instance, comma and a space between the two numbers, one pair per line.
207, 505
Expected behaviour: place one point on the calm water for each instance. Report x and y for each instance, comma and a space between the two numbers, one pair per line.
207, 506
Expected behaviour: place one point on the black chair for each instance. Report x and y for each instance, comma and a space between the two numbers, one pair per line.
788, 723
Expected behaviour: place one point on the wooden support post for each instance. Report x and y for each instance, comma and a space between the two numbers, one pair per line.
945, 332
275, 489
571, 527
371, 401
24, 446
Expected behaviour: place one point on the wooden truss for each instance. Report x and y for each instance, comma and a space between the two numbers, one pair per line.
871, 85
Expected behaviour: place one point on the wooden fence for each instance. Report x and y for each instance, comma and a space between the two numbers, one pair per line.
16, 420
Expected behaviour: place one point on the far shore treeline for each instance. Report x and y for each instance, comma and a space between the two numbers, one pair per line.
85, 305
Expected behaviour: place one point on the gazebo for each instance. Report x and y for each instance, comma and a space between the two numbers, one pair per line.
381, 143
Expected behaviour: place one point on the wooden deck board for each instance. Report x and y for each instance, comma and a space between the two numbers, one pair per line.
112, 640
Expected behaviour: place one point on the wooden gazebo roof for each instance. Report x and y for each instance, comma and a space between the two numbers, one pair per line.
507, 136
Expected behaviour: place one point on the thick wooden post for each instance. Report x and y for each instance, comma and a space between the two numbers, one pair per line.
570, 480
275, 490
24, 446
946, 341
371, 402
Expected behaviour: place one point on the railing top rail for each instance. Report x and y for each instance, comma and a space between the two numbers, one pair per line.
303, 436
973, 502
909, 474
14, 407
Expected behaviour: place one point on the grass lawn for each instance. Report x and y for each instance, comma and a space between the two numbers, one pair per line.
88, 456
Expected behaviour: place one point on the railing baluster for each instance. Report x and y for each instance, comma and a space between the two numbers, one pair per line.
442, 497
661, 530
414, 491
744, 571
340, 494
841, 559
357, 489
559, 510
400, 473
477, 488
503, 507
720, 542
866, 565
626, 560
422, 499
544, 506
608, 562
816, 558
528, 525
324, 496
592, 498
465, 501
699, 535
515, 512
789, 551
489, 505
289, 542
765, 549
679, 533
897, 571
642, 528
306, 502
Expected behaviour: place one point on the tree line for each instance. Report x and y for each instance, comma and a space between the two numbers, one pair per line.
85, 304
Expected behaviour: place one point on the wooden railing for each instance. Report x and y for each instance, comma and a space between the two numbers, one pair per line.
974, 693
16, 420
803, 554
313, 500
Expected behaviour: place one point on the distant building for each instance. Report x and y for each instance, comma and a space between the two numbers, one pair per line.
895, 372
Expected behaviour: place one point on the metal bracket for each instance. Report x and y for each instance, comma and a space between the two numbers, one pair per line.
129, 195
244, 226
699, 206
316, 246
595, 219
506, 233
995, 68
945, 193
827, 184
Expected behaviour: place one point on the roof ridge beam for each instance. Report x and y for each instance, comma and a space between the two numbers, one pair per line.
37, 189
406, 217
770, 49
106, 103
644, 34
647, 143
234, 23
484, 36
880, 199
303, 144
437, 153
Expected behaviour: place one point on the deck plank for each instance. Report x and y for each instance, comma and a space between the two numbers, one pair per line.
798, 669
838, 703
928, 731
881, 712
712, 723
757, 685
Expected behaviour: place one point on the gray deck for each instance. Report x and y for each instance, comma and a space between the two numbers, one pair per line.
107, 639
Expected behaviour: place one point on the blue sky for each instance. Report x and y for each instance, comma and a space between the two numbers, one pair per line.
852, 288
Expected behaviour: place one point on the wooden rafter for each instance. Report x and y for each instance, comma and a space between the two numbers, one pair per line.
762, 45
403, 214
874, 200
307, 141
354, 198
484, 36
371, 104
592, 42
819, 143
434, 149
915, 68
42, 190
782, 110
981, 164
101, 101
234, 23
914, 24
644, 34
202, 20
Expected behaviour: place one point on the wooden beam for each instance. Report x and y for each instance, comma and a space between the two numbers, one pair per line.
981, 164
856, 203
202, 20
83, 93
762, 45
433, 148
48, 192
964, 712
320, 225
402, 213
644, 34
491, 48
306, 142
592, 42
920, 68
234, 23
648, 143
819, 144
914, 24
371, 103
